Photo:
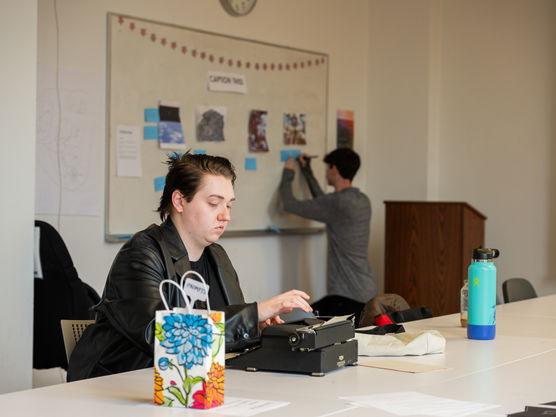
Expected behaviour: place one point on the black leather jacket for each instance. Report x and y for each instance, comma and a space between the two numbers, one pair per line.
122, 337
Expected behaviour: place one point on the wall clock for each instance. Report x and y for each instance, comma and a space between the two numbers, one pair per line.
238, 7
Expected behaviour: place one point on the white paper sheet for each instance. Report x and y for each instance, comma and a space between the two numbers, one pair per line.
246, 407
234, 406
69, 151
416, 403
128, 151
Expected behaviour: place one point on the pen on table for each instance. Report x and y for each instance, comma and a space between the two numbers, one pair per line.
310, 156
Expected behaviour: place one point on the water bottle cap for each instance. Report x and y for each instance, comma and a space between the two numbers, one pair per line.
485, 253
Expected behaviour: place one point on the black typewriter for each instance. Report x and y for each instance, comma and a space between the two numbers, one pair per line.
311, 346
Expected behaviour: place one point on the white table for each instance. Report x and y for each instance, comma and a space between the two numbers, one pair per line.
514, 370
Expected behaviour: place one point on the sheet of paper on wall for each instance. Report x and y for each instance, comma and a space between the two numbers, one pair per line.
128, 151
210, 122
294, 129
37, 266
68, 152
257, 131
227, 81
344, 128
170, 132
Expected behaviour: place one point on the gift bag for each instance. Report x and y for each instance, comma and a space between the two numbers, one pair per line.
188, 353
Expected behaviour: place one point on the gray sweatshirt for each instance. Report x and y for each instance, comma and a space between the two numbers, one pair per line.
347, 215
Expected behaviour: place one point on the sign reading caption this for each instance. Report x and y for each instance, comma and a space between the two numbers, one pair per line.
227, 81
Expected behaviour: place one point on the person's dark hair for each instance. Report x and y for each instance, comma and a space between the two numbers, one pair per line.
185, 173
345, 160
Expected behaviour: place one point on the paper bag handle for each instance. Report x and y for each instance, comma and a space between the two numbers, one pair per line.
180, 289
182, 285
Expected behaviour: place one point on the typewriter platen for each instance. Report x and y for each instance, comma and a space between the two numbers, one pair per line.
312, 346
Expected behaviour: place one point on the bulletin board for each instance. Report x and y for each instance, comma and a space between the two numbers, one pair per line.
151, 62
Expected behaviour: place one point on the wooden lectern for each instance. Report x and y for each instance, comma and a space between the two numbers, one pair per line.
428, 248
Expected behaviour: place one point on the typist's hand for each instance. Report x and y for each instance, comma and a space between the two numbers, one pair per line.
282, 303
270, 322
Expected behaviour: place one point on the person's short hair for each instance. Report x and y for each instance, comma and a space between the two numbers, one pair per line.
345, 160
185, 173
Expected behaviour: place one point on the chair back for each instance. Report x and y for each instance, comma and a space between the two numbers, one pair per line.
516, 289
71, 332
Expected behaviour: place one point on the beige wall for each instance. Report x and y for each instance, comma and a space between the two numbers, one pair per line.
18, 49
446, 93
498, 131
265, 265
462, 108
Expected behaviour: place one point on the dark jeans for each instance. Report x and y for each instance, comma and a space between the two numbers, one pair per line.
337, 305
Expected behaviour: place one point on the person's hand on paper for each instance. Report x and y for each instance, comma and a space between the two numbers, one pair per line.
270, 310
290, 163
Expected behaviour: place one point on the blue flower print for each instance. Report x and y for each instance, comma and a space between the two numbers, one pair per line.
163, 363
189, 336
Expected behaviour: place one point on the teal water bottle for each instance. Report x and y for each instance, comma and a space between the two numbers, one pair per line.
481, 276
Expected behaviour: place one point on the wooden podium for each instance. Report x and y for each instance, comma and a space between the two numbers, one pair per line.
428, 248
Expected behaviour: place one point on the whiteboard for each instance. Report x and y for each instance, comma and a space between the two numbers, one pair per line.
150, 62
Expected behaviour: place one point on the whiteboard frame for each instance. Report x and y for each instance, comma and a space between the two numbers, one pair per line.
122, 237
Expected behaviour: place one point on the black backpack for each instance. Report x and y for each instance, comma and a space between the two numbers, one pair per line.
60, 294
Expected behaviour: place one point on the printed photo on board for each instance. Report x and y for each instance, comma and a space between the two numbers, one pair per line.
294, 129
170, 132
257, 131
210, 123
344, 129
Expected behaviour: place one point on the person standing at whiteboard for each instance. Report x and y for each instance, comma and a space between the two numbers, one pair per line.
195, 209
347, 215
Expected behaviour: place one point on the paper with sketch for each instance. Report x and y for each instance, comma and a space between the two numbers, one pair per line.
246, 407
416, 403
128, 151
404, 366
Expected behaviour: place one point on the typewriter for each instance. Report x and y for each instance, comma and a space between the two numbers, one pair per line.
312, 346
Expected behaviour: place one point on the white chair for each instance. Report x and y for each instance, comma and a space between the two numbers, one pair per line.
72, 331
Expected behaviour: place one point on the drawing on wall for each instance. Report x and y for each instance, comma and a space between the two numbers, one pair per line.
294, 129
210, 123
344, 128
170, 132
257, 131
68, 154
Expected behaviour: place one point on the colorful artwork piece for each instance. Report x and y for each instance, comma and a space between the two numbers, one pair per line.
170, 132
189, 359
294, 129
257, 131
344, 129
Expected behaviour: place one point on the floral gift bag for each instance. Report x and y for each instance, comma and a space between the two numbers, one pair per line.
188, 354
